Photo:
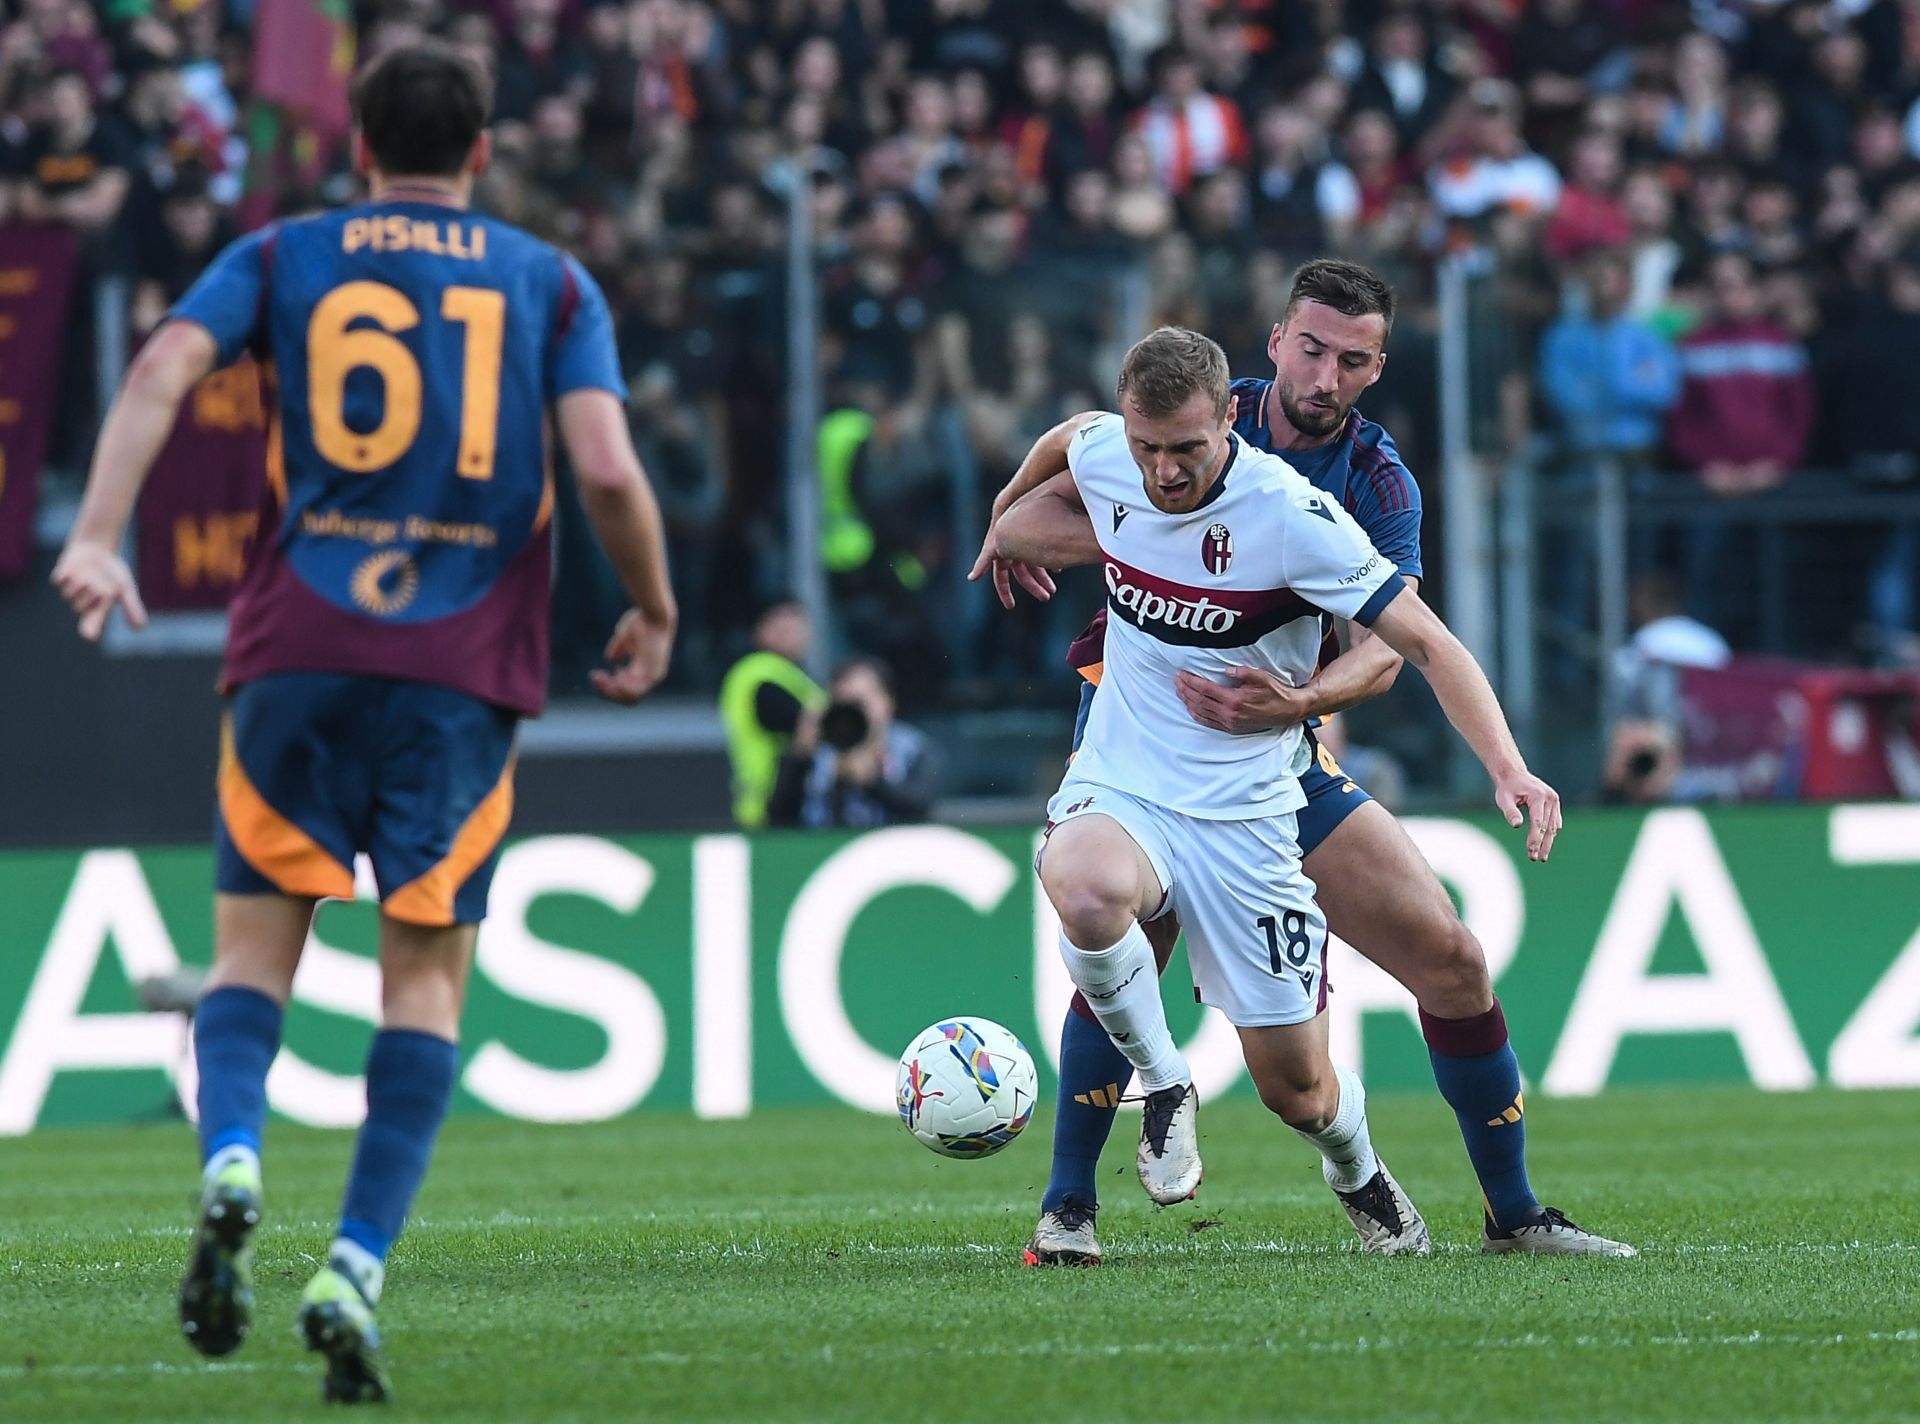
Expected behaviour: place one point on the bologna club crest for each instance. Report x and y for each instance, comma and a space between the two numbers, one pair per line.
1216, 550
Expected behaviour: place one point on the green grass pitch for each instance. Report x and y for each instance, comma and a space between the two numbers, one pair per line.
820, 1265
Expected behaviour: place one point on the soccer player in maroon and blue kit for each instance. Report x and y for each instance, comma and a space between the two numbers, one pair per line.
1378, 892
387, 636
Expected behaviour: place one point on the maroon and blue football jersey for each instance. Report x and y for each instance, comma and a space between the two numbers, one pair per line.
414, 350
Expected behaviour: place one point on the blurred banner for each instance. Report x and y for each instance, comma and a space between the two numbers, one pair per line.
199, 507
36, 287
303, 58
1773, 945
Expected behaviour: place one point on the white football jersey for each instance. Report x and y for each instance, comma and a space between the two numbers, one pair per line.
1241, 580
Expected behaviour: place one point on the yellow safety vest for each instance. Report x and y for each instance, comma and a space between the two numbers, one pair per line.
753, 750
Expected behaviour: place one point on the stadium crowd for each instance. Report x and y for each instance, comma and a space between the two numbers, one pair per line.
1708, 219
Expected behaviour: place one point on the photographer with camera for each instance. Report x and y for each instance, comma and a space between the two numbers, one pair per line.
853, 763
1645, 751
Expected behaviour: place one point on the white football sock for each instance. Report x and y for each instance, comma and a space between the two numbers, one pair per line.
1345, 1143
1122, 987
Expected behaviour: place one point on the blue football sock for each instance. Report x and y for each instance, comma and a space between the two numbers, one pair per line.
1480, 1078
236, 1032
409, 1080
1093, 1074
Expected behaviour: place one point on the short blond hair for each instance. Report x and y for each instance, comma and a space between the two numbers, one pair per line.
1162, 372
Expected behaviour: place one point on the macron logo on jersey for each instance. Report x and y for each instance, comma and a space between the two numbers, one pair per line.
1120, 513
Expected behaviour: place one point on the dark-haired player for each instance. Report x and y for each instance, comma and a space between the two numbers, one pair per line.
1378, 892
388, 634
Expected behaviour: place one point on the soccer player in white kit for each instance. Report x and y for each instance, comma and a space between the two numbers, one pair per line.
1218, 555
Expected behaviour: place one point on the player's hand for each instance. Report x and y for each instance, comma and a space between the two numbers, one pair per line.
640, 649
1523, 792
1007, 572
1249, 701
94, 581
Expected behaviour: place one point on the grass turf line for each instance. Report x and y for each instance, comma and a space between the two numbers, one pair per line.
819, 1265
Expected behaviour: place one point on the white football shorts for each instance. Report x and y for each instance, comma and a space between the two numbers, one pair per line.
1256, 939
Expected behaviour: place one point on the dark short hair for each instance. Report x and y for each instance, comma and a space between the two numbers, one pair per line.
1347, 287
421, 107
1163, 371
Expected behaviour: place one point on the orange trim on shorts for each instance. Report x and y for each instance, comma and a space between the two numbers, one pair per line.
270, 843
1093, 672
428, 900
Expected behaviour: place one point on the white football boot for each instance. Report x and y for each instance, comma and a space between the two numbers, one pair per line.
1169, 1159
1548, 1233
1065, 1236
1386, 1218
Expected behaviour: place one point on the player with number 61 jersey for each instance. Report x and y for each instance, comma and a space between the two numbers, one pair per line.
405, 530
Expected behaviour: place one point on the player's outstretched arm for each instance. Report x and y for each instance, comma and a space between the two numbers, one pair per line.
620, 506
1046, 529
1254, 700
1415, 631
90, 574
1044, 461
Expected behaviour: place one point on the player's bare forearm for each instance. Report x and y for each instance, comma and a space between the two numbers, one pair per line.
1415, 632
137, 425
626, 521
1049, 527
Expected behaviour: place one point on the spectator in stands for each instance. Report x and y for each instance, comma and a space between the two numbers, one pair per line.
537, 58
1608, 376
1756, 124
1822, 112
1404, 78
763, 700
1564, 51
1305, 199
1645, 734
854, 763
1740, 426
1081, 134
1746, 399
1497, 172
1712, 224
75, 166
1141, 208
1651, 247
191, 230
1770, 215
1696, 118
876, 317
1591, 212
1189, 132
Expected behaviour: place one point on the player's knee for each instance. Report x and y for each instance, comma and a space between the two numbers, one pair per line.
1304, 1101
1454, 978
1095, 911
1095, 901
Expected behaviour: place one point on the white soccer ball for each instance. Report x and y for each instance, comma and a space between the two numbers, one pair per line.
966, 1087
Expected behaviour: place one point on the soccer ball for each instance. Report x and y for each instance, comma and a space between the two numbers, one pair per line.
966, 1087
